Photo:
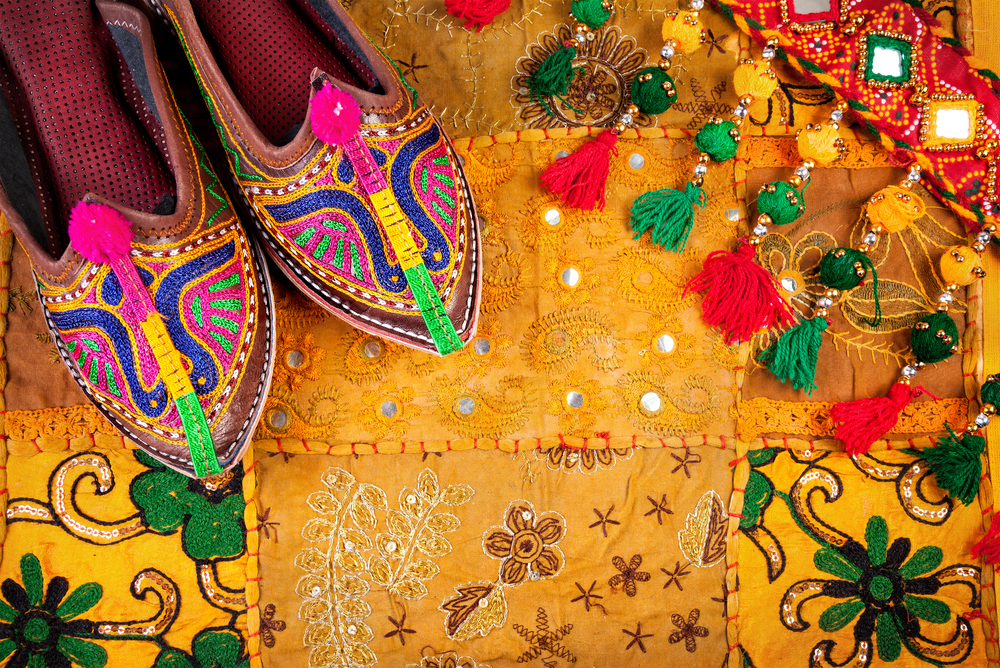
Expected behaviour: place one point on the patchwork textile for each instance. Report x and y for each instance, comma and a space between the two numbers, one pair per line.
596, 479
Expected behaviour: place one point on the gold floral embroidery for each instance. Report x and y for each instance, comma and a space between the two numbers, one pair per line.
504, 282
780, 152
385, 411
554, 342
570, 279
761, 415
582, 460
297, 360
653, 407
294, 310
668, 345
285, 418
526, 544
578, 403
351, 554
364, 358
650, 279
447, 660
547, 222
477, 609
488, 351
71, 422
471, 410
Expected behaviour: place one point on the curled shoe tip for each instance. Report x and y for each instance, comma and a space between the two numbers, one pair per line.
334, 114
98, 232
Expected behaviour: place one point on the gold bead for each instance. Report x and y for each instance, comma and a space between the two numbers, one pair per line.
772, 188
864, 248
991, 229
842, 105
664, 64
698, 181
943, 307
979, 247
971, 429
988, 409
582, 28
809, 164
951, 287
633, 109
764, 219
704, 158
619, 128
821, 313
832, 293
954, 349
746, 100
877, 228
754, 241
980, 272
795, 181
923, 325
982, 153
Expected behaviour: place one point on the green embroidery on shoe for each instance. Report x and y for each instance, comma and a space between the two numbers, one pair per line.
429, 302
355, 262
95, 370
203, 161
199, 436
196, 310
112, 385
227, 282
226, 304
226, 344
305, 235
441, 160
91, 344
445, 179
322, 247
224, 323
338, 255
445, 197
441, 212
424, 181
335, 224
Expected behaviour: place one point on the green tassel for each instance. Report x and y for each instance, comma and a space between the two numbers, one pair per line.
591, 12
792, 358
668, 213
553, 77
957, 465
990, 391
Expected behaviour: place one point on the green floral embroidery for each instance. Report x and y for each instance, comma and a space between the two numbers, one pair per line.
212, 648
37, 625
208, 511
885, 593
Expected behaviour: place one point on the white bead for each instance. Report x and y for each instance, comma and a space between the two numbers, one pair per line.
914, 174
983, 237
697, 4
626, 119
824, 302
982, 420
909, 371
945, 298
741, 110
700, 169
870, 238
667, 51
802, 173
836, 115
768, 53
760, 230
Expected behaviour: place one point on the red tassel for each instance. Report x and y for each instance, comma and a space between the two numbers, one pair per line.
477, 13
864, 421
989, 547
742, 296
580, 177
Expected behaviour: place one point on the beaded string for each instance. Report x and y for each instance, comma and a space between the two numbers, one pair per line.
933, 338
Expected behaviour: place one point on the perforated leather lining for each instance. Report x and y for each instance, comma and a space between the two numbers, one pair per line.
83, 125
267, 50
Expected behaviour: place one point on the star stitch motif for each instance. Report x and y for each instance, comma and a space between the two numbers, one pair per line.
400, 629
266, 525
637, 637
715, 43
688, 460
674, 577
660, 508
587, 595
604, 519
412, 67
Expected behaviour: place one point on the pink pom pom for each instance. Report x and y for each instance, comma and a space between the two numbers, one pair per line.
99, 233
335, 115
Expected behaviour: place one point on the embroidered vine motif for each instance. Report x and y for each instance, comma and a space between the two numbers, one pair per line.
687, 630
486, 353
653, 280
545, 641
555, 341
360, 542
606, 65
889, 592
757, 497
269, 625
37, 623
286, 417
211, 648
447, 660
363, 359
628, 574
477, 409
297, 360
526, 545
916, 488
637, 637
504, 283
703, 538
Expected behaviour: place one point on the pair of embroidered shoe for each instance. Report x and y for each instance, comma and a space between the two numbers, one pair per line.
157, 300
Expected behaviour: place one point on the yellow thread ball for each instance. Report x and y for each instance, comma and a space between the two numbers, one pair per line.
685, 31
754, 80
821, 145
894, 208
960, 271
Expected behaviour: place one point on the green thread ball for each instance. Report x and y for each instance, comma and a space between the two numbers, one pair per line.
880, 587
784, 205
648, 92
837, 268
990, 392
716, 140
591, 12
930, 347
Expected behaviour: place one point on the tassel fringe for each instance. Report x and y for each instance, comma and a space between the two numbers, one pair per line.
793, 357
957, 464
988, 549
864, 421
580, 177
669, 214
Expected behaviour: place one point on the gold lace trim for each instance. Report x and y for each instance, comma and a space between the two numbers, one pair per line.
761, 415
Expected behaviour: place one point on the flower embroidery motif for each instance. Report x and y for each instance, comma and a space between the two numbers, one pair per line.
687, 630
629, 575
583, 460
447, 660
297, 361
526, 544
37, 626
885, 591
208, 511
606, 64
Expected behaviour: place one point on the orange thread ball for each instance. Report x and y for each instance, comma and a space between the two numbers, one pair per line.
685, 29
960, 272
821, 144
894, 208
755, 79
